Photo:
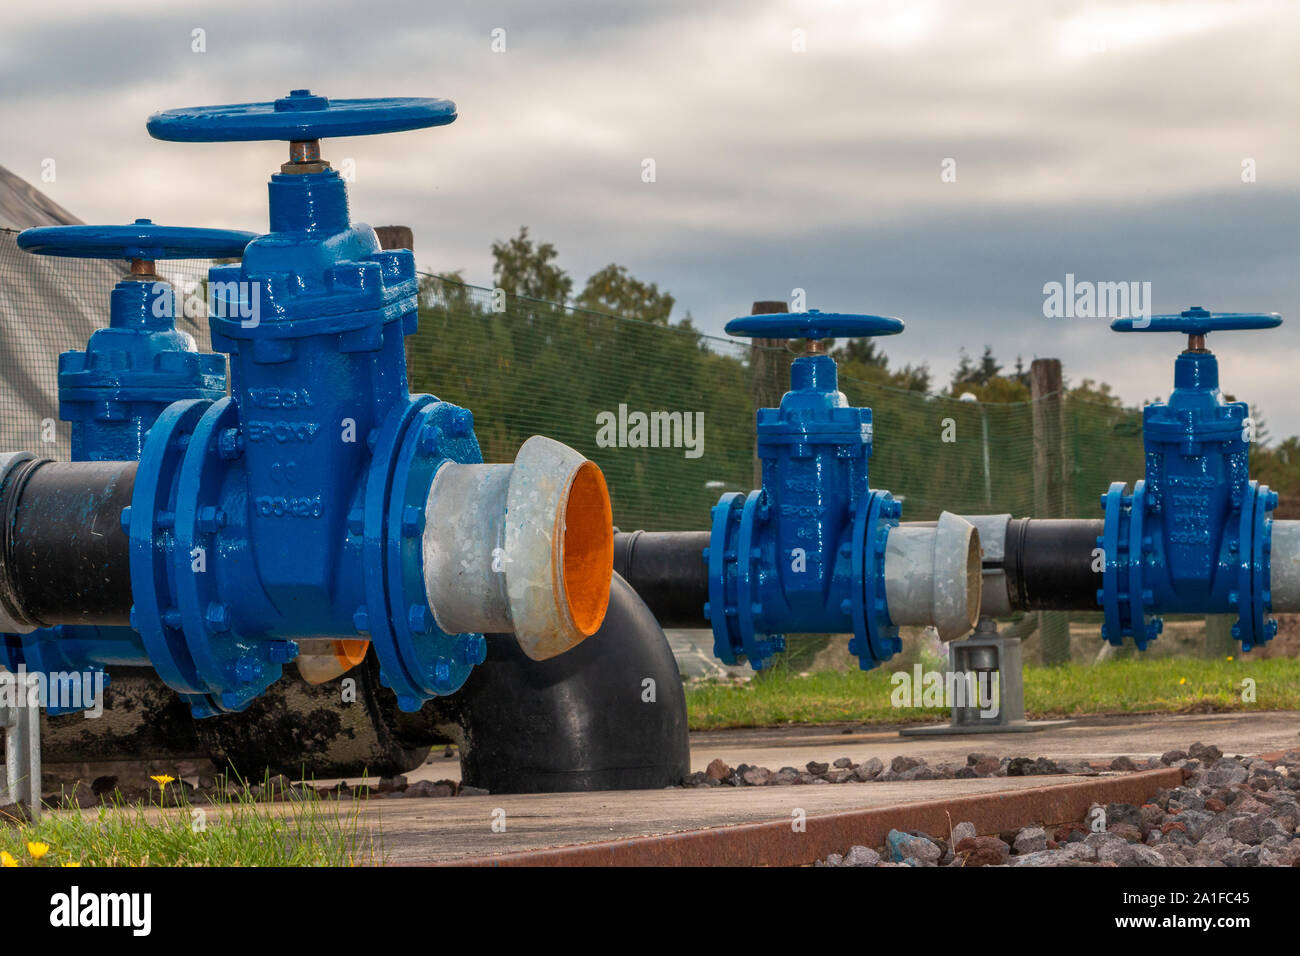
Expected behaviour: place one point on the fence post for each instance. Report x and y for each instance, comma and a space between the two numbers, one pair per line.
768, 369
395, 237
1050, 484
1218, 636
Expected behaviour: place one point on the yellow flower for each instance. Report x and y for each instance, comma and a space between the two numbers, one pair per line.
71, 863
1229, 657
1181, 681
7, 859
162, 779
38, 850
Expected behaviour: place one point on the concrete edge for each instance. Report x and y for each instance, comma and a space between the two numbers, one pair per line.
775, 843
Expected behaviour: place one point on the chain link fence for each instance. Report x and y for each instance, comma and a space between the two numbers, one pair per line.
49, 305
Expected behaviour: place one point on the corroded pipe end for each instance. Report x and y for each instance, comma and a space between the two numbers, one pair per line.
526, 548
559, 548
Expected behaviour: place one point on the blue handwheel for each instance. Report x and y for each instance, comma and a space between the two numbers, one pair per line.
141, 240
300, 116
1198, 321
813, 325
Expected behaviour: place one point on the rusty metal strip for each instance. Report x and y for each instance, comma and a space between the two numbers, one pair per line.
775, 843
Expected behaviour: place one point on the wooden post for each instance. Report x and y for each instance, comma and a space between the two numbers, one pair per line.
395, 237
1046, 390
769, 373
1219, 642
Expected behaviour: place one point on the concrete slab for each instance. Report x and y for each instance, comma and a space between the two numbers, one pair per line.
447, 829
778, 843
458, 828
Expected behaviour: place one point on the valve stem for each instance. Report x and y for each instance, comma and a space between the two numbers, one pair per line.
304, 157
304, 151
143, 269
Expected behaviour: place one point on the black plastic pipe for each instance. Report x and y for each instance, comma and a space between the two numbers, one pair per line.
1048, 563
64, 558
667, 570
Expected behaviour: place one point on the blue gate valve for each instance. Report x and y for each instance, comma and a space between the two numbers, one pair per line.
806, 553
130, 371
321, 501
112, 393
1194, 536
331, 500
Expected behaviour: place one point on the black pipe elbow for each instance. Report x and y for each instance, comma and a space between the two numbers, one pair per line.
610, 714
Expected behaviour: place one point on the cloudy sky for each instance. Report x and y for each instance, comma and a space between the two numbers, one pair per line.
796, 145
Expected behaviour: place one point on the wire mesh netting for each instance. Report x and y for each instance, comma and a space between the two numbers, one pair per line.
667, 412
527, 367
50, 305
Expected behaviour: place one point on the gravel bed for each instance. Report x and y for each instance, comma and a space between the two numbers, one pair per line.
874, 770
1229, 811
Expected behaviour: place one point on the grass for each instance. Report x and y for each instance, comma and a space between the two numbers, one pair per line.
302, 830
1126, 686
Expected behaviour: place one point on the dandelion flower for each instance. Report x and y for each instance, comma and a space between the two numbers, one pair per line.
7, 859
38, 850
162, 779
1182, 681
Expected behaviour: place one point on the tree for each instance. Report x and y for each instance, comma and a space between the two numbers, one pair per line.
613, 291
1262, 435
984, 380
1021, 373
862, 351
970, 373
1094, 393
864, 361
521, 268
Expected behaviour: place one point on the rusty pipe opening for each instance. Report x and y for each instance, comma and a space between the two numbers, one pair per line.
526, 549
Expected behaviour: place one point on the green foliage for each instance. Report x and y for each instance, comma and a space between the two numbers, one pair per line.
613, 291
524, 269
985, 381
970, 373
865, 361
526, 363
1138, 685
303, 829
1095, 393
